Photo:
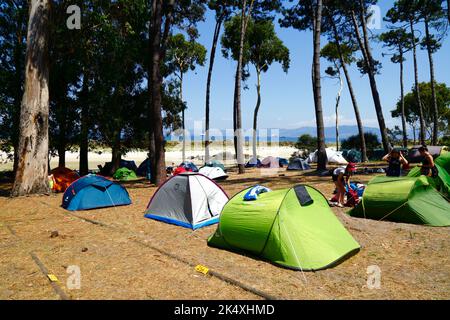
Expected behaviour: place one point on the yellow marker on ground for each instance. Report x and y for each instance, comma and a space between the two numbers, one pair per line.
52, 278
202, 269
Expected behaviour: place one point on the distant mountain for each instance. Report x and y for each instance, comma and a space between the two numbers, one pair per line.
330, 133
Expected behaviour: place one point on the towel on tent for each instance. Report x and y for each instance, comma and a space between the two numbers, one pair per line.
254, 192
303, 196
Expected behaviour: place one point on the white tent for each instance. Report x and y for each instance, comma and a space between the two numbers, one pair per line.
270, 162
214, 173
189, 199
332, 155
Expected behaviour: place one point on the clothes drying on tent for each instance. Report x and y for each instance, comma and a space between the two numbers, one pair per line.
189, 200
253, 163
214, 173
144, 169
270, 163
298, 164
278, 228
442, 182
105, 170
124, 174
407, 200
415, 157
215, 164
62, 178
332, 155
93, 191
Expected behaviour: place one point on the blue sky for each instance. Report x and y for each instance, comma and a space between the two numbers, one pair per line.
287, 99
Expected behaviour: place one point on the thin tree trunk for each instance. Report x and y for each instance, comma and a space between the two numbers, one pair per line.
255, 115
338, 101
116, 153
84, 130
62, 149
365, 48
183, 121
362, 137
417, 87
322, 158
32, 170
159, 169
237, 88
435, 135
402, 100
208, 84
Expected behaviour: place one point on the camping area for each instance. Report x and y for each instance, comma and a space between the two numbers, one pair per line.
224, 150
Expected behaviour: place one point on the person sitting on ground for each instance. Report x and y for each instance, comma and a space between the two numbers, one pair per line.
428, 168
341, 179
395, 159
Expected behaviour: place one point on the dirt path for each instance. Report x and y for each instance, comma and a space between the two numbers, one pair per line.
119, 262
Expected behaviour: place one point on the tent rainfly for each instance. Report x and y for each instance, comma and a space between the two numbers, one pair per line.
189, 200
298, 164
333, 157
294, 228
405, 199
214, 173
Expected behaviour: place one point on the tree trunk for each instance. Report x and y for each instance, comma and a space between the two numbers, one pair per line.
402, 100
416, 84
159, 169
237, 89
208, 84
32, 170
255, 115
116, 154
362, 137
338, 101
84, 129
435, 135
365, 48
322, 158
183, 122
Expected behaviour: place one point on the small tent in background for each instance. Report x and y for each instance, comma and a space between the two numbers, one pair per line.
124, 174
270, 162
189, 200
298, 164
63, 178
144, 169
189, 166
352, 155
415, 157
214, 173
93, 191
283, 162
253, 163
294, 228
129, 164
408, 200
442, 182
215, 164
333, 157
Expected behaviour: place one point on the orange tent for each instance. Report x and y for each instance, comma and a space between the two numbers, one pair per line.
63, 178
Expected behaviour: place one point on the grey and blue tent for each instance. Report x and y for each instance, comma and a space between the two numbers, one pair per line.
298, 164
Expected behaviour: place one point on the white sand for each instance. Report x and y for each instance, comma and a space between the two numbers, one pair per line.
195, 155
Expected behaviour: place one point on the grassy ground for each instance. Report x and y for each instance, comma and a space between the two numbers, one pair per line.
130, 257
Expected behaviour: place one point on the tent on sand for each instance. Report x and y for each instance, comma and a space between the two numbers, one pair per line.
298, 164
407, 199
63, 178
278, 228
189, 200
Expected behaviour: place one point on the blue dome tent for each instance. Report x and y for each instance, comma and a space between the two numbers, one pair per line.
93, 191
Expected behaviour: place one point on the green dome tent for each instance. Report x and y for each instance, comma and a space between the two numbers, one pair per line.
276, 227
215, 164
408, 200
124, 174
442, 182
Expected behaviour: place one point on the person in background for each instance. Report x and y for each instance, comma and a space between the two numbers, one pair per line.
341, 179
428, 167
395, 159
